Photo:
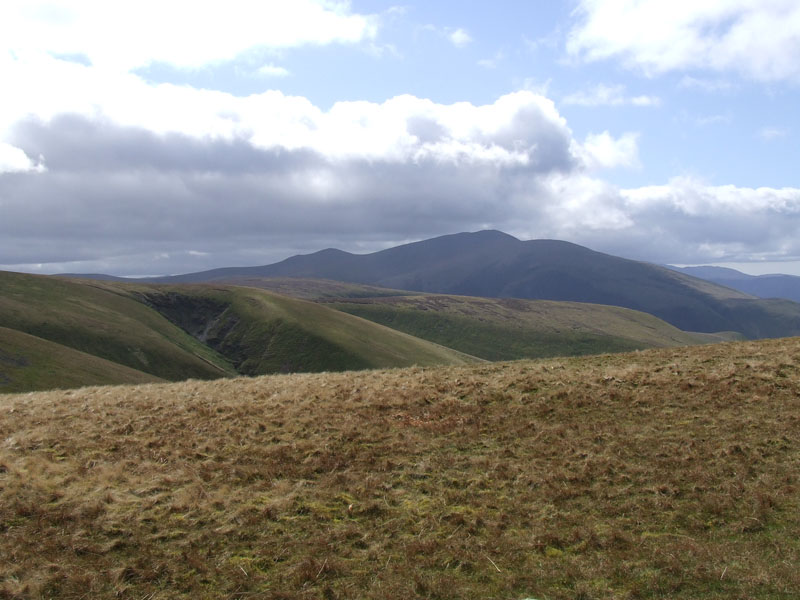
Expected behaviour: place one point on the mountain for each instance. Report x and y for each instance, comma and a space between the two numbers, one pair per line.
762, 286
495, 264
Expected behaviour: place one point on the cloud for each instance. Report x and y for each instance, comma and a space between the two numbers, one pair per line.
271, 70
122, 36
601, 150
755, 38
769, 134
609, 95
706, 85
491, 63
265, 171
459, 37
713, 119
150, 179
14, 160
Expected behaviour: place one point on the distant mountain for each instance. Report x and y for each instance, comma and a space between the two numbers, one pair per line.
762, 286
495, 264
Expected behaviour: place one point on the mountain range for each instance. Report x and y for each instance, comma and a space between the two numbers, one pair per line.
496, 265
454, 299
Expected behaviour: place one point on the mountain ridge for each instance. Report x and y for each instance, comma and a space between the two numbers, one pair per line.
775, 285
491, 263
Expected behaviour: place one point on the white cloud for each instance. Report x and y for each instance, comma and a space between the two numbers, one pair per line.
271, 70
713, 119
706, 85
491, 63
772, 133
609, 95
757, 38
505, 131
173, 179
184, 33
459, 38
601, 150
718, 223
14, 160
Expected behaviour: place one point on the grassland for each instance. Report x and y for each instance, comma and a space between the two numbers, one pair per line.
314, 289
669, 473
99, 320
30, 363
181, 332
262, 332
507, 329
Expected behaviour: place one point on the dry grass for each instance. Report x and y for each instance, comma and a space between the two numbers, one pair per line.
660, 474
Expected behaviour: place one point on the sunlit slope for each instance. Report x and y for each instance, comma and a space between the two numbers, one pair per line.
30, 363
314, 289
263, 332
99, 320
669, 473
506, 329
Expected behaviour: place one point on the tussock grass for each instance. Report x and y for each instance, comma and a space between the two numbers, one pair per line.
665, 473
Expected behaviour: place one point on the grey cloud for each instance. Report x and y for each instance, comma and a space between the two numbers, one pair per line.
113, 191
427, 130
129, 202
75, 143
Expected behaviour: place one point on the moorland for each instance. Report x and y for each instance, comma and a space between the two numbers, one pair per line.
665, 473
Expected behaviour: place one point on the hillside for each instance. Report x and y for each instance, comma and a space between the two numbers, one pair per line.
314, 289
659, 474
507, 329
103, 321
30, 363
494, 264
182, 332
761, 286
262, 332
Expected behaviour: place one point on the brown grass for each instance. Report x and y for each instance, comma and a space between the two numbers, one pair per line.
660, 474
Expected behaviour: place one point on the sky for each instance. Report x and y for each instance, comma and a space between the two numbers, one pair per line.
147, 138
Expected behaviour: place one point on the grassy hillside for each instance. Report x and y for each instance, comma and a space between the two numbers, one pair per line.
660, 474
182, 332
99, 320
261, 332
506, 329
314, 289
31, 363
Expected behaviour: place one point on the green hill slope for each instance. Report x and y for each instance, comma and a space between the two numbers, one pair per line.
29, 363
204, 332
100, 320
506, 329
314, 289
262, 332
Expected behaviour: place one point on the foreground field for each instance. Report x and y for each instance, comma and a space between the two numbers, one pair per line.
668, 473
